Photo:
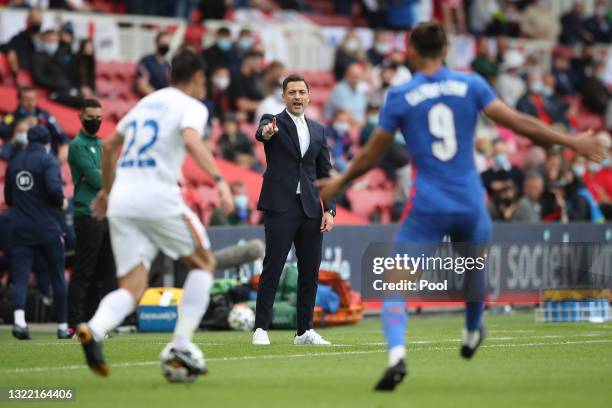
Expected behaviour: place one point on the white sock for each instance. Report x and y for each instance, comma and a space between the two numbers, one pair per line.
396, 354
62, 326
19, 318
470, 338
196, 295
112, 310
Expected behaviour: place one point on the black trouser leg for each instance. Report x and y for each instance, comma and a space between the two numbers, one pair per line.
89, 234
280, 231
308, 241
55, 256
104, 279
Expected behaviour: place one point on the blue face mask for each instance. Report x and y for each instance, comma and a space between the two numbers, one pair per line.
606, 163
21, 138
537, 88
578, 170
373, 118
245, 43
547, 91
501, 161
224, 43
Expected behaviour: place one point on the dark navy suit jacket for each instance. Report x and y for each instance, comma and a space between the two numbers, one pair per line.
286, 166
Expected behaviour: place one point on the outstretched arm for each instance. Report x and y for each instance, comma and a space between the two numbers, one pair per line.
542, 134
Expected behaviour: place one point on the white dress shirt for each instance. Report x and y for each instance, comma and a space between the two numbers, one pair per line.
303, 136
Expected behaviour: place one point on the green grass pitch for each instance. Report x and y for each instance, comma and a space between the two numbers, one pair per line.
522, 364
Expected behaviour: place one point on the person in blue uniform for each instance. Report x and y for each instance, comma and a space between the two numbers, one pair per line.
33, 190
437, 111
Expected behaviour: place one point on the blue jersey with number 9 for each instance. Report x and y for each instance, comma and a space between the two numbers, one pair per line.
437, 116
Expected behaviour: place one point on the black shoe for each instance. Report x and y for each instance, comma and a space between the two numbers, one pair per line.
21, 333
185, 359
468, 352
92, 350
392, 377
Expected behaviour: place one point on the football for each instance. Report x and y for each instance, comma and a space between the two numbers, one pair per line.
176, 372
241, 317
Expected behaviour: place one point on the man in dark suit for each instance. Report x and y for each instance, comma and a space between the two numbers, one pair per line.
297, 154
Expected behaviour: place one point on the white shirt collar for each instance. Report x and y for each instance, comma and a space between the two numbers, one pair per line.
294, 117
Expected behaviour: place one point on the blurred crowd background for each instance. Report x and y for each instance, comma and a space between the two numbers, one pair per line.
550, 59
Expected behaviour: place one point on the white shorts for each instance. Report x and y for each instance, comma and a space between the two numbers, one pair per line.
137, 240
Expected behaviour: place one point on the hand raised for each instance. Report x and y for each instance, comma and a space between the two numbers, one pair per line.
270, 129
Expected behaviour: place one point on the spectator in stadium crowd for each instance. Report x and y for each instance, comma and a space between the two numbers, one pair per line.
510, 86
452, 15
221, 53
153, 70
533, 159
214, 9
580, 204
381, 46
583, 65
502, 169
481, 15
539, 22
502, 45
506, 21
594, 93
234, 145
504, 201
565, 76
244, 44
245, 88
65, 54
572, 29
529, 208
33, 188
218, 92
51, 73
273, 103
386, 72
348, 53
272, 76
19, 141
85, 69
27, 107
93, 272
241, 213
598, 179
541, 102
22, 46
347, 95
553, 204
485, 62
599, 26
339, 140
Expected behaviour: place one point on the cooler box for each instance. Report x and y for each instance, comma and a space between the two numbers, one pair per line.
158, 309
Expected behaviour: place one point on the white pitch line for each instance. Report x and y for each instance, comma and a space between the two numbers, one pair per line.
305, 355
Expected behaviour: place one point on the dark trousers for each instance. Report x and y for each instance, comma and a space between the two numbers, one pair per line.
50, 255
93, 274
282, 230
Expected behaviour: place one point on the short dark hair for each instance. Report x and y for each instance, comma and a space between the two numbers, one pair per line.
184, 65
224, 31
294, 78
90, 103
24, 89
429, 39
160, 35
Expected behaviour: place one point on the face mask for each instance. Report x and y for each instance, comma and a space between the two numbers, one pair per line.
278, 94
501, 161
245, 43
352, 45
342, 127
50, 48
547, 91
578, 169
594, 167
363, 87
241, 201
381, 48
224, 43
221, 82
91, 126
21, 138
163, 49
537, 88
606, 162
373, 118
34, 29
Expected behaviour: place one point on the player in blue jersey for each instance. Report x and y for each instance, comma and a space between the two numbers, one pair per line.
437, 111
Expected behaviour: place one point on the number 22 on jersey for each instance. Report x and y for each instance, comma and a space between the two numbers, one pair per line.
442, 126
138, 156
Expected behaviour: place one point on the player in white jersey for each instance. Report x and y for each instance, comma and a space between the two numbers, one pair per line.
146, 211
